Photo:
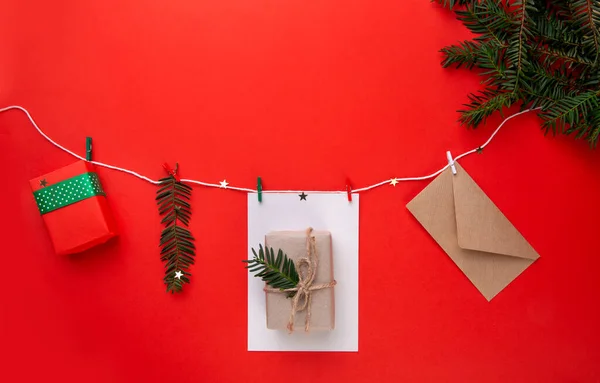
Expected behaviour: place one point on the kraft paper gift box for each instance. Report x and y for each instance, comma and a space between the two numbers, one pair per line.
74, 208
472, 231
278, 305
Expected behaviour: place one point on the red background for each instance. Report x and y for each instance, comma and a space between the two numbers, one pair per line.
302, 93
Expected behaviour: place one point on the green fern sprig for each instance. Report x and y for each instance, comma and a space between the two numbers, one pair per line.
278, 272
176, 241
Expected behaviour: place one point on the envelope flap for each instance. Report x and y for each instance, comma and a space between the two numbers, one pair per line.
481, 225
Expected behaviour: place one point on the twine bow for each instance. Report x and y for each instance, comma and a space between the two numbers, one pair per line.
303, 297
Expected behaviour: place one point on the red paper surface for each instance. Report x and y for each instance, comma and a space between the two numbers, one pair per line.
303, 94
79, 226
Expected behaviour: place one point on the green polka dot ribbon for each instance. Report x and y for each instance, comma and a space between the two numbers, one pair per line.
68, 192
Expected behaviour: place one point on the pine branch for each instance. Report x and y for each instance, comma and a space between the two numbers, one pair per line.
518, 44
463, 54
491, 59
583, 129
570, 110
176, 241
488, 19
594, 127
555, 32
518, 61
278, 272
486, 55
554, 84
556, 55
483, 105
541, 53
586, 16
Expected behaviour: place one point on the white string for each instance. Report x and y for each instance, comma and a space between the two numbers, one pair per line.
206, 184
72, 153
433, 175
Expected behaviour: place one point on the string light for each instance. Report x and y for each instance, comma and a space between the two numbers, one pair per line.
225, 185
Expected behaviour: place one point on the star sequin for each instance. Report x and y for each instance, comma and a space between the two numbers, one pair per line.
224, 184
178, 274
43, 183
394, 181
302, 196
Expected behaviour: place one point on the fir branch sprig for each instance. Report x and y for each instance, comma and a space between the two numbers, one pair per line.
278, 272
484, 104
586, 18
176, 241
538, 53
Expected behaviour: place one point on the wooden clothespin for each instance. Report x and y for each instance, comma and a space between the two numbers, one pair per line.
349, 189
88, 148
451, 162
173, 172
259, 189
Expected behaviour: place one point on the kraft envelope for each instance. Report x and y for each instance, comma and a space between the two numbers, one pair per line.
473, 231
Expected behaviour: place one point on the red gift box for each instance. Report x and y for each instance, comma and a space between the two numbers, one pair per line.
74, 208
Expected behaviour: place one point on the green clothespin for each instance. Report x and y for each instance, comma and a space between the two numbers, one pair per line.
88, 148
259, 189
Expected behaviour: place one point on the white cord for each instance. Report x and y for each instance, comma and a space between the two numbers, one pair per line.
433, 175
72, 153
386, 182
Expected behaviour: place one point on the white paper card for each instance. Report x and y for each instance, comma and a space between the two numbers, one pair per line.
321, 211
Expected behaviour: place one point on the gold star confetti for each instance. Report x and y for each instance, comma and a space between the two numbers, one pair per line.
394, 181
